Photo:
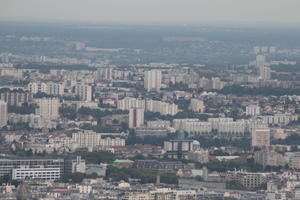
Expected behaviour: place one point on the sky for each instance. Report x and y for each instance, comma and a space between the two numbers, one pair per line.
275, 11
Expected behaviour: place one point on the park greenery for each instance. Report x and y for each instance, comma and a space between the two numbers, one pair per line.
264, 91
230, 165
235, 185
68, 112
206, 142
97, 113
145, 176
96, 157
76, 177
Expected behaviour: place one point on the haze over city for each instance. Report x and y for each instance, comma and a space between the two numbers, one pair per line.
150, 100
251, 11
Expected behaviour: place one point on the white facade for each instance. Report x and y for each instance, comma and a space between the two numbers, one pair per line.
128, 102
48, 108
36, 173
3, 114
136, 117
265, 73
84, 92
192, 126
104, 74
90, 139
55, 88
239, 126
253, 110
78, 165
36, 87
163, 108
152, 80
215, 121
158, 124
279, 119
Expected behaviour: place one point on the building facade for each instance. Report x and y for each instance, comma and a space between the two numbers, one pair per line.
48, 108
136, 117
3, 114
152, 80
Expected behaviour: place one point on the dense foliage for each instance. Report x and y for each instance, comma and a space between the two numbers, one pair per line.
243, 143
145, 176
96, 157
290, 140
24, 109
265, 91
68, 112
96, 113
223, 166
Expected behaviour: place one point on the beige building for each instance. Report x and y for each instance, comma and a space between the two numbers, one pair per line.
295, 162
3, 114
84, 92
48, 108
269, 158
260, 137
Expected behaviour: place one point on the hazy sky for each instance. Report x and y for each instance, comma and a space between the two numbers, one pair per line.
152, 10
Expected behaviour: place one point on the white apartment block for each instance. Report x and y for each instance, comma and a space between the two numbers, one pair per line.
235, 127
48, 108
55, 88
36, 87
265, 73
279, 119
225, 127
84, 92
152, 80
215, 121
253, 110
40, 173
192, 126
104, 74
128, 102
159, 124
50, 88
3, 113
163, 108
91, 139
